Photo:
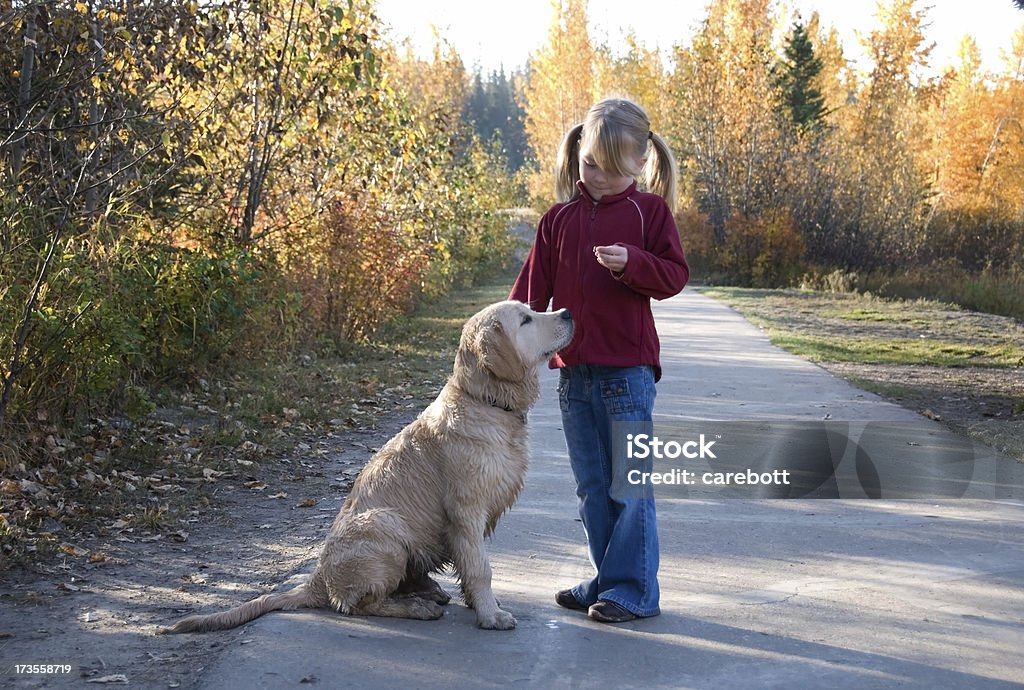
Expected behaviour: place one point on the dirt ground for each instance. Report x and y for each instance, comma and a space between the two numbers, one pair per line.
978, 402
96, 611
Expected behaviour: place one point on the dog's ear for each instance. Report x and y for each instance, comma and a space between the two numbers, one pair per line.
498, 353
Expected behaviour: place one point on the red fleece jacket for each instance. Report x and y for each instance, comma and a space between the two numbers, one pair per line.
612, 312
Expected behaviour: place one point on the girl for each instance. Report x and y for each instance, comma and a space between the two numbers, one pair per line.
603, 251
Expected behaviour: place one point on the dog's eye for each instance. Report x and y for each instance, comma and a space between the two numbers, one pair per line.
526, 319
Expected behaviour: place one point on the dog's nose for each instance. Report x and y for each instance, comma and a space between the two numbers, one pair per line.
565, 314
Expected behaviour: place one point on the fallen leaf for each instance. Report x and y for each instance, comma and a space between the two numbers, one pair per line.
31, 487
116, 678
283, 494
255, 486
306, 503
72, 550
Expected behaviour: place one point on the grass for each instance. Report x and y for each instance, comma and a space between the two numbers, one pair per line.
852, 327
873, 350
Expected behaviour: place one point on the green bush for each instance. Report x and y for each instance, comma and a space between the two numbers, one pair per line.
111, 320
191, 309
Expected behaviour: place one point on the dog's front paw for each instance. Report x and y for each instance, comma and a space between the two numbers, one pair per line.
499, 620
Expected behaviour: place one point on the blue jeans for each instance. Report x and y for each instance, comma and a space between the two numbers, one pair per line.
622, 533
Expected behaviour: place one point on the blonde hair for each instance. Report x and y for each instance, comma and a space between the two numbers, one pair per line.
616, 133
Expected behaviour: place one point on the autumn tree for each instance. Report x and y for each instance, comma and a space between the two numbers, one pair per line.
445, 160
724, 105
835, 80
277, 83
961, 128
559, 89
93, 139
638, 74
975, 164
881, 202
1002, 168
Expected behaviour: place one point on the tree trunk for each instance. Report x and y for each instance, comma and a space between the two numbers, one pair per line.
28, 61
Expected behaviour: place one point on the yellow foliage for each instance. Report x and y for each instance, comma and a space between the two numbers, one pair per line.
560, 90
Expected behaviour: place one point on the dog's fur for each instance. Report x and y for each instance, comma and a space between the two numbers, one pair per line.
428, 498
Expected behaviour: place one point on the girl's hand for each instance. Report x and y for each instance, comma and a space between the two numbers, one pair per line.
613, 257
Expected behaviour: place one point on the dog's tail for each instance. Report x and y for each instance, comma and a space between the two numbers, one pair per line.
297, 598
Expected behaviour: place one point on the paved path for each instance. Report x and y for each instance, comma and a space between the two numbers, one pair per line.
770, 593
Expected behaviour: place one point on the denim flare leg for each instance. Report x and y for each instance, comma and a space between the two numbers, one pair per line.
622, 535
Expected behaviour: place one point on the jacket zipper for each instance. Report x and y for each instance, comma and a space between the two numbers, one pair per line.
590, 226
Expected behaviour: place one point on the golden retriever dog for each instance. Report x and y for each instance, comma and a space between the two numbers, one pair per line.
431, 495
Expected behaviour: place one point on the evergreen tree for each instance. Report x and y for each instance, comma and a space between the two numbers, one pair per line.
494, 111
800, 99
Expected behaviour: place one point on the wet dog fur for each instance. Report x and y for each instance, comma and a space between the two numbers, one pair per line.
430, 496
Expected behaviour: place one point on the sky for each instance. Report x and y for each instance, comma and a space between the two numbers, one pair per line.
491, 35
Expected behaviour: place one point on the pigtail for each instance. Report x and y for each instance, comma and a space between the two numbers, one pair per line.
661, 171
567, 167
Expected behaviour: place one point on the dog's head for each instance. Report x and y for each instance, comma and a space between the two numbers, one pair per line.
510, 339
507, 341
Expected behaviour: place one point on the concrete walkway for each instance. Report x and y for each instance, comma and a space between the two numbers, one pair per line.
770, 593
